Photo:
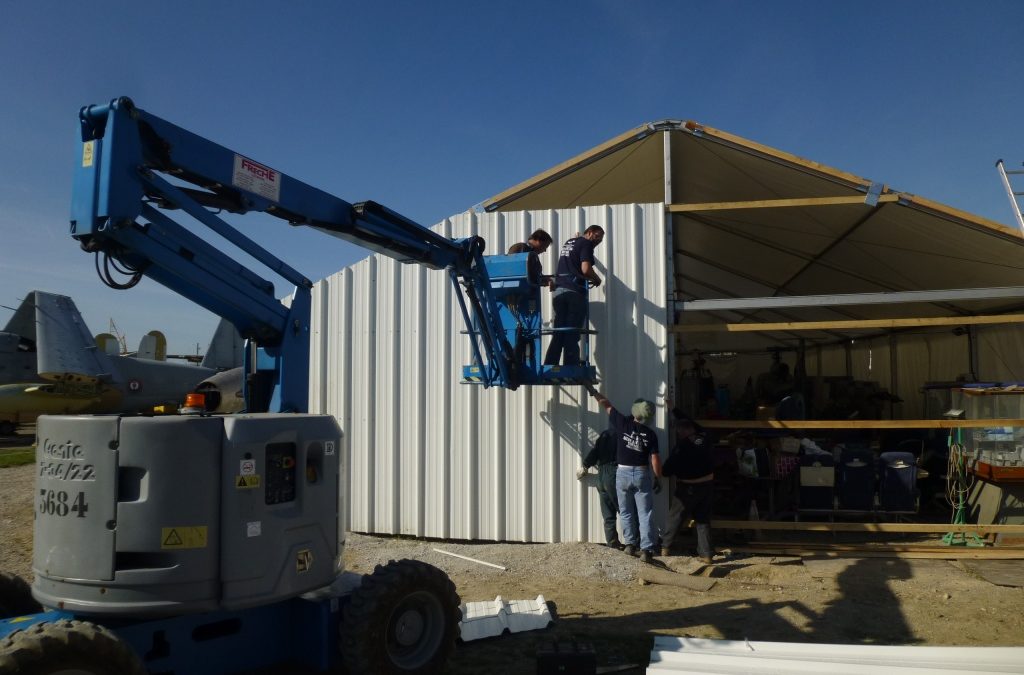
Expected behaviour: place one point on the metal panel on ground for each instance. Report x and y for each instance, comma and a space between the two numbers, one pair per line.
431, 457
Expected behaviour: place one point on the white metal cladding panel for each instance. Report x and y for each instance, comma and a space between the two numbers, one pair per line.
431, 457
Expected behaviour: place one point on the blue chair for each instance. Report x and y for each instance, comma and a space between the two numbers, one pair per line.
856, 474
897, 482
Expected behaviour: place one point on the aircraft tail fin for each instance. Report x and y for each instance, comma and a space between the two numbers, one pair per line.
153, 346
65, 348
225, 349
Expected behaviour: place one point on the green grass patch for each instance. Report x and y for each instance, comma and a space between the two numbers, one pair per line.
17, 456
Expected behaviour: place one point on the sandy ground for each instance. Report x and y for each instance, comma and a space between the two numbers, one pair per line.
596, 596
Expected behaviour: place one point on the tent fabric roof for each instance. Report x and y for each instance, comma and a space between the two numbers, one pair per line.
753, 221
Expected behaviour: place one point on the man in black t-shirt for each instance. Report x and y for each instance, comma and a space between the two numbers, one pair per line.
692, 464
575, 269
537, 244
603, 456
637, 475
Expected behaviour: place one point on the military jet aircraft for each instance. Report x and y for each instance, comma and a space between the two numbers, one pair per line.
50, 363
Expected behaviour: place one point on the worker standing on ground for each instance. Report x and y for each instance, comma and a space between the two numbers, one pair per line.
537, 244
638, 473
692, 465
603, 456
575, 269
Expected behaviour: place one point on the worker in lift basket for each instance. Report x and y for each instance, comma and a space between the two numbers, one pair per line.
537, 244
638, 476
575, 270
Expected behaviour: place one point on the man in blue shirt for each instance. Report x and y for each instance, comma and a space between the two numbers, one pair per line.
638, 473
575, 269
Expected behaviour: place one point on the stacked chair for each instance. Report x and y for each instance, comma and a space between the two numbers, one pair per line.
856, 477
897, 482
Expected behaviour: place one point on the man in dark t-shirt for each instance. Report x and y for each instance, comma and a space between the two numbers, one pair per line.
575, 270
537, 244
692, 464
637, 475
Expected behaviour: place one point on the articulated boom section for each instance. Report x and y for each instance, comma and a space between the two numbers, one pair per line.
123, 191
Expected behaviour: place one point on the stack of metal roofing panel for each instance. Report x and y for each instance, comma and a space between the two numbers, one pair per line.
694, 655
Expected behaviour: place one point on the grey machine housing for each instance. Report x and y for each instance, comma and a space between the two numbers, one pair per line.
157, 516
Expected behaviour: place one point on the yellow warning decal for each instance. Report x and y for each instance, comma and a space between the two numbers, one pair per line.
87, 151
247, 482
183, 537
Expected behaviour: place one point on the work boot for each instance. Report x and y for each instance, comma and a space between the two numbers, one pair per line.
614, 545
630, 549
707, 560
645, 557
665, 551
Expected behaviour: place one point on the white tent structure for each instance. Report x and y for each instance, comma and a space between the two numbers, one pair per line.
715, 245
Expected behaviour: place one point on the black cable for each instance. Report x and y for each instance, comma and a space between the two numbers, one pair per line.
121, 267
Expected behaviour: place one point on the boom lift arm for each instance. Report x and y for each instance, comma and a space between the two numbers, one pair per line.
134, 167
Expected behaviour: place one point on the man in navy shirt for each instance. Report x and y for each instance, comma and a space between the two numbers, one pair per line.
637, 475
537, 244
575, 269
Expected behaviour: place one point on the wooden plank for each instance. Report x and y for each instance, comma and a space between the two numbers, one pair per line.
846, 324
859, 424
954, 553
934, 528
778, 203
874, 546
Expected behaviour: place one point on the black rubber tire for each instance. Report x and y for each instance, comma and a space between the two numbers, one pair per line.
77, 646
402, 620
16, 597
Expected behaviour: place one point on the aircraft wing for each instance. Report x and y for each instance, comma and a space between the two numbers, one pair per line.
65, 349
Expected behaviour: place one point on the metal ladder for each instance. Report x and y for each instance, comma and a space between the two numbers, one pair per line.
1005, 175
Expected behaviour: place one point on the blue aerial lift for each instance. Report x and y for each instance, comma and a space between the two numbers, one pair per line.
207, 543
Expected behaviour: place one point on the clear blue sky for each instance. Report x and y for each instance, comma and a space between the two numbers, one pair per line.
431, 107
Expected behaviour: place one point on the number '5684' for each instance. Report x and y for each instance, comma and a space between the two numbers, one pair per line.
60, 503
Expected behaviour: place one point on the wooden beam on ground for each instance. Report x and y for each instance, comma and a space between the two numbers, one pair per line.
846, 324
780, 203
859, 424
879, 546
933, 528
953, 553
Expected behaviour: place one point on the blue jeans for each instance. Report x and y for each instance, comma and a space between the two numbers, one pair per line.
636, 505
570, 312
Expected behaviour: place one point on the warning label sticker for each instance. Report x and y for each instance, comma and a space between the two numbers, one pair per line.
87, 152
247, 482
183, 537
247, 467
256, 178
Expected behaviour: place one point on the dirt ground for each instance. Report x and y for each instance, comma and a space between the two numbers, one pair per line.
596, 597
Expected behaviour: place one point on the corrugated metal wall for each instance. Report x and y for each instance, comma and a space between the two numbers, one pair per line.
431, 457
